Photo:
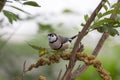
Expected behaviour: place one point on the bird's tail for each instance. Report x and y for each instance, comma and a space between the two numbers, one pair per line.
72, 38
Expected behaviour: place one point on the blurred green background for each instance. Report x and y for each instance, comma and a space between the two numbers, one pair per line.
14, 50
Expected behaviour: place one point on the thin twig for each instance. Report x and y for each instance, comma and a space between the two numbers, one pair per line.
81, 34
59, 75
23, 71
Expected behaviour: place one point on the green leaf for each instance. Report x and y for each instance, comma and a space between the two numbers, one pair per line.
111, 12
45, 27
113, 31
109, 29
117, 18
31, 3
115, 5
86, 17
34, 46
41, 51
67, 11
82, 24
100, 29
20, 9
11, 16
105, 7
108, 2
101, 22
99, 15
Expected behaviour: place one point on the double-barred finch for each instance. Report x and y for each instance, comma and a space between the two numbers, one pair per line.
58, 42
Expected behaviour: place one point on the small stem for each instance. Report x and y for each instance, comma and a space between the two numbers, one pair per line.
59, 75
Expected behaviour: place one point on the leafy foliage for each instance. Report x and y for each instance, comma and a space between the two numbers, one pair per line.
31, 3
113, 22
105, 7
104, 24
41, 51
109, 29
20, 9
33, 46
99, 15
115, 5
11, 16
111, 12
86, 17
44, 51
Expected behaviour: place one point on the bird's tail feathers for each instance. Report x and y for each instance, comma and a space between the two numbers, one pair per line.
72, 38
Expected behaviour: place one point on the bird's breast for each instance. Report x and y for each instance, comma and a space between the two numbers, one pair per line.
55, 45
58, 46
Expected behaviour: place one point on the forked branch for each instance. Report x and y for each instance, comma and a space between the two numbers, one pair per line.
67, 74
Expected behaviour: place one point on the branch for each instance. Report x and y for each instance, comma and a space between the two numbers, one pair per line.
105, 35
81, 34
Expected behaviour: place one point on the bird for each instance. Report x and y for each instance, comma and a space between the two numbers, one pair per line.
58, 42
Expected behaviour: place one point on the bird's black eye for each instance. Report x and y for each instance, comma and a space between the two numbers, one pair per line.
52, 35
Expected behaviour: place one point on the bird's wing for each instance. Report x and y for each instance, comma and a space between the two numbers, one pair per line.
63, 39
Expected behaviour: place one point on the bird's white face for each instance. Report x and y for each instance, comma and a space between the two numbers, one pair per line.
52, 37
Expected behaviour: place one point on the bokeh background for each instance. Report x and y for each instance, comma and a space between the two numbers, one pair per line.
63, 17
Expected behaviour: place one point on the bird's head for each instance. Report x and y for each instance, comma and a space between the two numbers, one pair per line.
52, 37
